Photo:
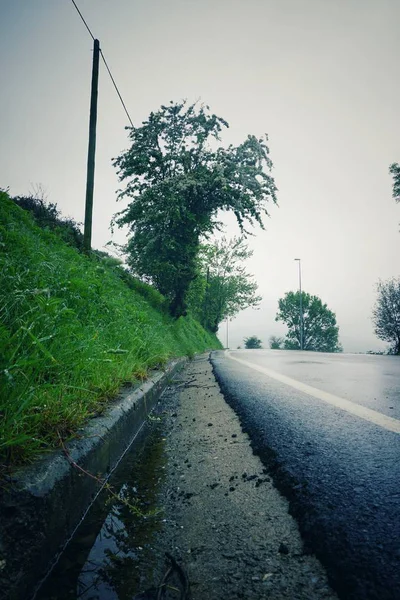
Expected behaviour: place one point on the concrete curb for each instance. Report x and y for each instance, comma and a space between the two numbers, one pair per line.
48, 499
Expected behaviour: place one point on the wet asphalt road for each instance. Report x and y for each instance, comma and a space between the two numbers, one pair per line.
340, 470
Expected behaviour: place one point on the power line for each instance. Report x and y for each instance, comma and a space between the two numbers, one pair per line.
116, 88
81, 16
106, 65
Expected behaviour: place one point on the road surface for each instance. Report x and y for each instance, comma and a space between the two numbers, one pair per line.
328, 426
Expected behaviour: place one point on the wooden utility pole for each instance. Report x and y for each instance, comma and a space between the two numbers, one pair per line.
87, 233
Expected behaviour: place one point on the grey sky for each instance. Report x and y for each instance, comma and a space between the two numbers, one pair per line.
319, 76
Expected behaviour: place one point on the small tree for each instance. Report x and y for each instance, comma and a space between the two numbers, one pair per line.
386, 313
222, 287
394, 170
252, 343
276, 343
320, 332
178, 182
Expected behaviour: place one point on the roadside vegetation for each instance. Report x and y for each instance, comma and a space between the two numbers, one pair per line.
386, 313
222, 286
73, 329
311, 324
178, 178
252, 343
394, 170
276, 342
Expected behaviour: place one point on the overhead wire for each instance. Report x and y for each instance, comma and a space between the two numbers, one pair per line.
116, 88
105, 63
81, 16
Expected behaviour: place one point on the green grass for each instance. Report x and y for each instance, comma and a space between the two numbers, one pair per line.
73, 329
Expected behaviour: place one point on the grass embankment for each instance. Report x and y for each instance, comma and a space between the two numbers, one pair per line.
72, 330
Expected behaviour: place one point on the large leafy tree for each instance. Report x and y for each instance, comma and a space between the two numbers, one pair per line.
178, 179
222, 287
320, 332
386, 313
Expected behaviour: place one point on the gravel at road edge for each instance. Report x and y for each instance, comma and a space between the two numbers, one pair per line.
224, 519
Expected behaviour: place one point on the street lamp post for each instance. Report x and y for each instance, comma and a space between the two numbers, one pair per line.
301, 306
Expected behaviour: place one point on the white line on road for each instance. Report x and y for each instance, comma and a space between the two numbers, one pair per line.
356, 409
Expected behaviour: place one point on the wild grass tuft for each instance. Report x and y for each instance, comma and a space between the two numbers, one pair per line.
72, 330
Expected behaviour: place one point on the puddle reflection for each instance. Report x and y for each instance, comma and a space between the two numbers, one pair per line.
111, 555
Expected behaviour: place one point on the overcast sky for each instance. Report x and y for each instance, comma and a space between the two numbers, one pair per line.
319, 76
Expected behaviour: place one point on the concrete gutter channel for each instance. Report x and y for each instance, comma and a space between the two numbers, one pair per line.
46, 501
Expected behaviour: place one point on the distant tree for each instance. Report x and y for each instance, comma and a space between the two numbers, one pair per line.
320, 332
276, 343
178, 183
222, 287
252, 343
394, 169
386, 313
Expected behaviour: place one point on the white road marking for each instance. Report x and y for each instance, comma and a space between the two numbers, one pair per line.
363, 412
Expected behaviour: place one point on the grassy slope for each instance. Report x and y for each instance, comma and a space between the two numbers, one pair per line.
71, 332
